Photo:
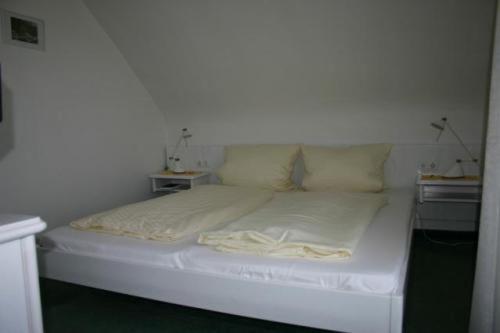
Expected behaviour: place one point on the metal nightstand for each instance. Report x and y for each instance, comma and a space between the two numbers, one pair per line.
439, 189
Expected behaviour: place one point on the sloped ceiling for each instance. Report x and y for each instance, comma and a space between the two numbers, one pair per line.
224, 59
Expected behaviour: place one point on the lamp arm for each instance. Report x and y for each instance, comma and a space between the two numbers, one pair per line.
177, 146
439, 135
461, 142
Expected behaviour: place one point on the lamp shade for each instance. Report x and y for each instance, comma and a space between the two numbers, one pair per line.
456, 171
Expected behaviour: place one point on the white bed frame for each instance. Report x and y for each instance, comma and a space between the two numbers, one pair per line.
345, 311
327, 309
338, 310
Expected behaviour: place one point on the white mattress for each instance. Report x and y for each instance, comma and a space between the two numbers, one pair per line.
377, 265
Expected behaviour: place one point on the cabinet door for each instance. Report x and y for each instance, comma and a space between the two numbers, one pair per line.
20, 309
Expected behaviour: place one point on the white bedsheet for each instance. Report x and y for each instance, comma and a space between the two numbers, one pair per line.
375, 266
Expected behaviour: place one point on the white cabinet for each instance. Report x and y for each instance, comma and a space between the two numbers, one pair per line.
448, 204
168, 182
20, 309
435, 188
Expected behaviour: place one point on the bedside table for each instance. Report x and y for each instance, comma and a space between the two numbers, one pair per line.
168, 182
437, 188
448, 204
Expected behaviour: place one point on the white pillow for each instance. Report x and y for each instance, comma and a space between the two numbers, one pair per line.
266, 166
354, 169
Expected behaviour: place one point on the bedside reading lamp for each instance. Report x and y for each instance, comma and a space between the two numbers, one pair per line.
174, 161
456, 171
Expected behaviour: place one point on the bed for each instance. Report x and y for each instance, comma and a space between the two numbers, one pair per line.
363, 293
327, 295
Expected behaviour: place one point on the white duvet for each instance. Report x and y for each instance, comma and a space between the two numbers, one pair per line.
319, 225
176, 216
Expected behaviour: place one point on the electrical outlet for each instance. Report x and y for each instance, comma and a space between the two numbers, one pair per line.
205, 163
199, 163
429, 168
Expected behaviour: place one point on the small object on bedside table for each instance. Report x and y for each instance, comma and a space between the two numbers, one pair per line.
168, 182
178, 168
456, 171
442, 189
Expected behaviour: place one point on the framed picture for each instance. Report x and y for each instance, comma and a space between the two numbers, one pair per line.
22, 30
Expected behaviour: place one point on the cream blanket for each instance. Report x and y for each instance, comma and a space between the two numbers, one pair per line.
320, 225
176, 216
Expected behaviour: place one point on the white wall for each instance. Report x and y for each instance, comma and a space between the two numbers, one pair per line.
81, 133
323, 71
316, 72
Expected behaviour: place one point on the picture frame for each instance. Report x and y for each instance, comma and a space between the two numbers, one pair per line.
22, 30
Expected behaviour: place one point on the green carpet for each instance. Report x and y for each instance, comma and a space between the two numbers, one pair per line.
438, 300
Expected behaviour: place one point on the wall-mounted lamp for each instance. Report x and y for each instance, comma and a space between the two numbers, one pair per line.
174, 162
456, 171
